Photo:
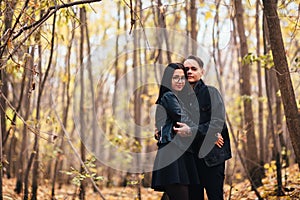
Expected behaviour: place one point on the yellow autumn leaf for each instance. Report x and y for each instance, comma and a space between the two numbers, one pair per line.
64, 78
142, 176
202, 4
145, 97
208, 15
267, 166
238, 176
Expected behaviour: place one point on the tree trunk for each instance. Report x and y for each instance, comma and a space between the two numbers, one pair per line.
8, 14
157, 21
26, 105
58, 165
251, 149
279, 126
216, 50
187, 46
34, 154
67, 104
82, 85
1, 158
115, 95
35, 169
91, 86
137, 101
162, 34
194, 25
10, 153
283, 75
260, 96
126, 112
276, 152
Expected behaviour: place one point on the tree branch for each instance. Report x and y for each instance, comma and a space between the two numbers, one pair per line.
68, 138
132, 12
49, 13
51, 10
27, 125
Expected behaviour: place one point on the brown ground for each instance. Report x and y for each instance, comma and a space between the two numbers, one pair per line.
240, 191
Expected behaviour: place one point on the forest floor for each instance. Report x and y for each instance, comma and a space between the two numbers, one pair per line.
239, 191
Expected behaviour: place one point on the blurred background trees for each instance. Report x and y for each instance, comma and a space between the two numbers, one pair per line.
53, 53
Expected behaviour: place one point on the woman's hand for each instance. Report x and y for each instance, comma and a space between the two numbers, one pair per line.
183, 130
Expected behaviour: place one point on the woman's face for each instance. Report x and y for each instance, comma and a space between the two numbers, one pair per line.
178, 80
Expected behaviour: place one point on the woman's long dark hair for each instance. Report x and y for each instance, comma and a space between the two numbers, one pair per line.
166, 82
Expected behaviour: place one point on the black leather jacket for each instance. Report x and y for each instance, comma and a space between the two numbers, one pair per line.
170, 110
207, 108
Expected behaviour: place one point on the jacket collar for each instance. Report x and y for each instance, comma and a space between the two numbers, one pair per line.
199, 84
197, 87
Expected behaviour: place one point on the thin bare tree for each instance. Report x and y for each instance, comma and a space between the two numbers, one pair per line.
28, 72
283, 75
1, 157
259, 81
82, 13
66, 100
194, 31
252, 161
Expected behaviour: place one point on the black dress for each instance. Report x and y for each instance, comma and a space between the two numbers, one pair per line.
174, 162
173, 166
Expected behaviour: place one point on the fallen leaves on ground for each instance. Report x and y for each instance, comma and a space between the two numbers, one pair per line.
290, 182
239, 191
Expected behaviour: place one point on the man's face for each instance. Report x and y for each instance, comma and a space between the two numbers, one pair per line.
194, 71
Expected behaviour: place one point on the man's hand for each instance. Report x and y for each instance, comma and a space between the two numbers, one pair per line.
220, 141
156, 134
183, 130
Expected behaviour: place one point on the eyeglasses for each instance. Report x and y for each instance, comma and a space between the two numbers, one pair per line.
177, 79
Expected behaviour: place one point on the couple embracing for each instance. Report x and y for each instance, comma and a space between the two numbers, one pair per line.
193, 140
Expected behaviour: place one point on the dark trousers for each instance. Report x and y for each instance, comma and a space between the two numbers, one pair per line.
211, 179
177, 192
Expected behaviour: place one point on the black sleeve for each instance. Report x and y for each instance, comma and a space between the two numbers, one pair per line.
176, 111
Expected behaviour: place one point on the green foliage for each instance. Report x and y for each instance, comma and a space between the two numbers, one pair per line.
135, 180
132, 183
265, 60
248, 59
246, 98
78, 176
15, 69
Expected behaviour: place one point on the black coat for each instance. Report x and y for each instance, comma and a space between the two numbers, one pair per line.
206, 106
171, 110
174, 162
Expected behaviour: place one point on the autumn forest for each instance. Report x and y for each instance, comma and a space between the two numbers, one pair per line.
79, 80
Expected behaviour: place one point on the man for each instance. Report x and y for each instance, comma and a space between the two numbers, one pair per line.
212, 150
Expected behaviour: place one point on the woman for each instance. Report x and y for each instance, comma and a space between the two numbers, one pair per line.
174, 167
